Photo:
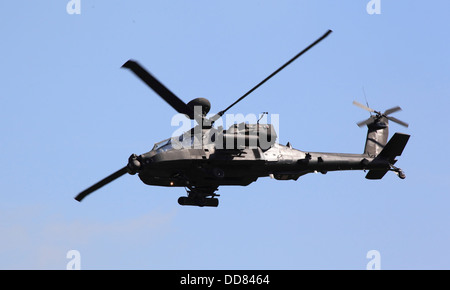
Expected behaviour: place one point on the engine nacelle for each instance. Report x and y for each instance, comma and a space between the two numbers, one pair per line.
243, 136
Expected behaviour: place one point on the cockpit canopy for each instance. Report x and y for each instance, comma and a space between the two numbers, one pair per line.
238, 136
181, 142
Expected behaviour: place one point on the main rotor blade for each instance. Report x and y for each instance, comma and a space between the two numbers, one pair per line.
392, 110
101, 183
158, 87
363, 107
393, 119
218, 115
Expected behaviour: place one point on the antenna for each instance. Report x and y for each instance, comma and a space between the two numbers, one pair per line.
262, 115
365, 97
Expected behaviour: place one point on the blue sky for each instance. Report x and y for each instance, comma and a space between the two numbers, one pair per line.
71, 116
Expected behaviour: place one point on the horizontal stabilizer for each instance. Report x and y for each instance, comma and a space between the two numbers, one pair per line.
376, 174
392, 149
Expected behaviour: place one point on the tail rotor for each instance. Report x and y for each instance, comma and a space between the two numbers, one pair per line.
378, 115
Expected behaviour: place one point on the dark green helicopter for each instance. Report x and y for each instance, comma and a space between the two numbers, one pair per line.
205, 157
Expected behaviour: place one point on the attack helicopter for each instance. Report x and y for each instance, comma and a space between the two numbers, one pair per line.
206, 157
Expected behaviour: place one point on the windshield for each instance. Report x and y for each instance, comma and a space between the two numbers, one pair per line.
181, 142
159, 145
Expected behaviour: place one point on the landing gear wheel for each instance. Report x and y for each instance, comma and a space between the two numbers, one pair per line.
401, 174
398, 171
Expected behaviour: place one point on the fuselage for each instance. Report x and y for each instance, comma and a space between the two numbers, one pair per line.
207, 165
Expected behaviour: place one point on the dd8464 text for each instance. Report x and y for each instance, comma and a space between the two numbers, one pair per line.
246, 279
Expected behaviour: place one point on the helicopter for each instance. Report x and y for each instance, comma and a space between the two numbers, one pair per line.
206, 157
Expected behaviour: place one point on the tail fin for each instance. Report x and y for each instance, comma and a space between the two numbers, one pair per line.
392, 149
378, 125
377, 147
377, 135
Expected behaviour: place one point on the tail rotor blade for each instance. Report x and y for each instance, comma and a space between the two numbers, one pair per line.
101, 183
392, 110
393, 119
365, 122
363, 107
